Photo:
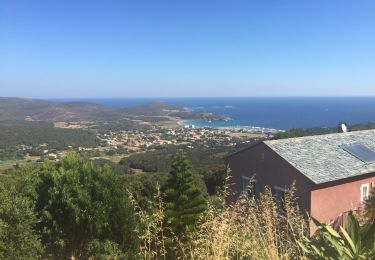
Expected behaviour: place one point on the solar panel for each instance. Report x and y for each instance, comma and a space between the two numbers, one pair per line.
360, 151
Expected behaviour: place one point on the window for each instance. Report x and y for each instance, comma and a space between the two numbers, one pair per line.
365, 190
279, 197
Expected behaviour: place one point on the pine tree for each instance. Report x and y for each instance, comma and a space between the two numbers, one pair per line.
184, 201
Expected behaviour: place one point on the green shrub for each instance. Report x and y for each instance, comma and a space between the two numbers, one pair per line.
79, 202
18, 238
353, 242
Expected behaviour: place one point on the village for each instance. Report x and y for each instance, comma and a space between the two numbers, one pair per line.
113, 145
189, 135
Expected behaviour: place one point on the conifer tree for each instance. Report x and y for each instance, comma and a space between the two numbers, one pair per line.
184, 201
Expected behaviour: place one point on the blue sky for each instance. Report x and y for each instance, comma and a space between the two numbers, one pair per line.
189, 48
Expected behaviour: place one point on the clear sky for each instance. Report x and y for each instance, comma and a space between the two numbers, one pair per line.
189, 48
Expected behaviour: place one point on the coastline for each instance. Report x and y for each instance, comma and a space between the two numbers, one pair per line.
275, 113
247, 128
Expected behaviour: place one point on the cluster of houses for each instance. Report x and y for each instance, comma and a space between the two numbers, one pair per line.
181, 135
333, 174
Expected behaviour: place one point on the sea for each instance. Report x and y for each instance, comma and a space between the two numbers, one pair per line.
267, 112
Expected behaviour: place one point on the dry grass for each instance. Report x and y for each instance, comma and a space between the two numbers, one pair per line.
248, 229
151, 232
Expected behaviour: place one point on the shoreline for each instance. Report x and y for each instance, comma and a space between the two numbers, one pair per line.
248, 128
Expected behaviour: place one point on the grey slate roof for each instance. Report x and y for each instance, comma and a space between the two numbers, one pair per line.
321, 159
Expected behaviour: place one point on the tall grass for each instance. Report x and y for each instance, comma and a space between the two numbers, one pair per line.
151, 228
248, 229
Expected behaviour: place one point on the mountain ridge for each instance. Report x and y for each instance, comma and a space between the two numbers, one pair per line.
73, 111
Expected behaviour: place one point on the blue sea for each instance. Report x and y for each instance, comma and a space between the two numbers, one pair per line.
269, 112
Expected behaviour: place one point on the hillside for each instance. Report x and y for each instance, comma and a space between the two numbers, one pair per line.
41, 110
47, 111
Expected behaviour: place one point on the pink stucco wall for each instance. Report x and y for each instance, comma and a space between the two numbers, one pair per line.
328, 203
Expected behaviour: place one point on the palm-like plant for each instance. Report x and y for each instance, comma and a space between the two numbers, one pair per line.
353, 242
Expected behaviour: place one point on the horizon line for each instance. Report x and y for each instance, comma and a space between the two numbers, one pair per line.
193, 97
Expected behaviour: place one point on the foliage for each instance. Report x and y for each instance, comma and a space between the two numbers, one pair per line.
298, 132
207, 163
118, 125
107, 249
142, 186
13, 134
202, 159
250, 229
214, 181
151, 231
363, 126
18, 238
118, 169
354, 242
247, 229
293, 132
77, 203
369, 209
184, 201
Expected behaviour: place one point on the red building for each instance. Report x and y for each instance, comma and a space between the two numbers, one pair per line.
333, 173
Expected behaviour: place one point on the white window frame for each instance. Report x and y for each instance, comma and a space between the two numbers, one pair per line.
367, 185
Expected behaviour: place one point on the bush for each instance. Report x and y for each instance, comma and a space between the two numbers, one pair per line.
79, 202
18, 239
369, 210
353, 242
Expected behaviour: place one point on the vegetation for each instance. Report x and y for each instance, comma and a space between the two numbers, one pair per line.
82, 209
249, 229
39, 136
205, 162
18, 237
299, 132
78, 203
143, 186
73, 208
369, 210
118, 125
184, 201
353, 242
